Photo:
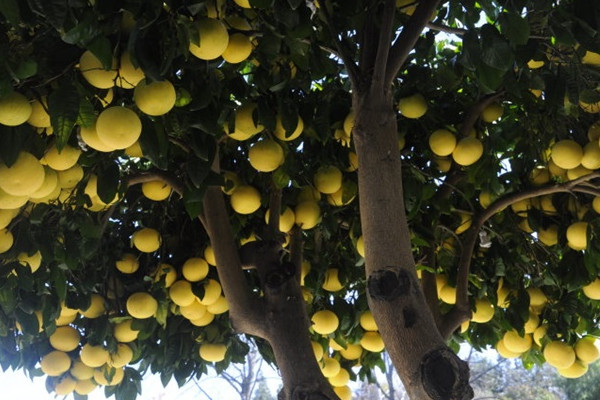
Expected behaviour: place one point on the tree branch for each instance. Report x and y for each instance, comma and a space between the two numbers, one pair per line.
446, 29
462, 310
274, 212
476, 110
408, 37
379, 83
430, 288
296, 247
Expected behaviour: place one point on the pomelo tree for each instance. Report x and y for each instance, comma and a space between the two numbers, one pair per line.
330, 178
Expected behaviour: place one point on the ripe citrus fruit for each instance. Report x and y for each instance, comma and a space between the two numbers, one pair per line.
576, 370
14, 109
194, 311
96, 308
245, 199
371, 341
128, 75
39, 117
591, 155
85, 386
93, 71
266, 155
577, 235
343, 196
360, 246
124, 333
55, 363
367, 322
141, 305
89, 135
238, 49
344, 392
65, 386
65, 338
213, 39
33, 261
317, 349
448, 294
155, 98
559, 354
467, 151
135, 150
504, 352
591, 290
332, 281
532, 323
205, 320
537, 298
212, 291
80, 371
330, 367
442, 142
212, 352
281, 134
566, 154
539, 334
166, 272
307, 214
246, 124
413, 106
121, 357
156, 190
108, 376
243, 3
24, 177
340, 379
352, 351
586, 349
127, 264
549, 235
69, 178
325, 322
492, 112
517, 343
118, 127
219, 306
181, 293
146, 240
286, 219
195, 269
93, 356
209, 256
534, 64
484, 311
328, 179
63, 159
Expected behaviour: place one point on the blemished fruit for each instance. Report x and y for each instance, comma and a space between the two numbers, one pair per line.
281, 134
156, 190
128, 75
65, 338
492, 113
63, 159
591, 290
442, 142
577, 235
213, 39
195, 269
118, 127
330, 367
468, 151
212, 352
124, 333
307, 214
212, 292
325, 322
517, 343
245, 199
328, 179
141, 305
181, 293
238, 49
559, 354
39, 117
566, 154
367, 322
266, 155
65, 386
413, 107
93, 356
89, 135
25, 176
128, 263
484, 311
371, 341
108, 376
14, 109
93, 71
155, 98
340, 379
55, 363
332, 281
146, 240
96, 308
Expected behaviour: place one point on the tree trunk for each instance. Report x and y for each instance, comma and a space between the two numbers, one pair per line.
426, 366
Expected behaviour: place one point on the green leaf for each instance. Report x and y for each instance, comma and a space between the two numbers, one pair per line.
515, 28
63, 106
108, 181
155, 143
29, 322
86, 116
495, 51
197, 170
102, 49
84, 32
10, 10
55, 12
26, 69
193, 201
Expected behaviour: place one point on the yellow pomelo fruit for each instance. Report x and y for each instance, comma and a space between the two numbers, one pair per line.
106, 97
324, 322
85, 386
93, 71
360, 246
286, 219
141, 305
195, 269
127, 264
89, 135
448, 294
181, 293
592, 108
576, 370
238, 48
24, 177
539, 176
212, 352
332, 281
343, 392
93, 356
213, 39
371, 341
539, 334
243, 3
39, 117
156, 190
308, 193
60, 160
219, 306
212, 292
352, 351
281, 134
484, 311
49, 186
328, 179
577, 172
414, 106
347, 190
586, 349
566, 154
591, 290
307, 214
167, 272
348, 124
593, 132
340, 379
330, 367
548, 236
232, 181
492, 113
33, 261
442, 142
352, 162
317, 349
6, 216
55, 363
304, 270
80, 371
108, 376
123, 332
96, 308
118, 127
65, 338
591, 155
69, 178
504, 352
135, 150
532, 323
266, 155
559, 354
128, 75
465, 222
209, 256
577, 235
155, 98
407, 7
65, 386
245, 120
334, 345
193, 311
468, 151
122, 357
537, 298
245, 199
534, 64
521, 207
517, 343
591, 58
367, 322
205, 320
14, 109
146, 240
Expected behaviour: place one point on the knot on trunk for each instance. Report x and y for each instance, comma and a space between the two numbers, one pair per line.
387, 284
306, 392
445, 376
